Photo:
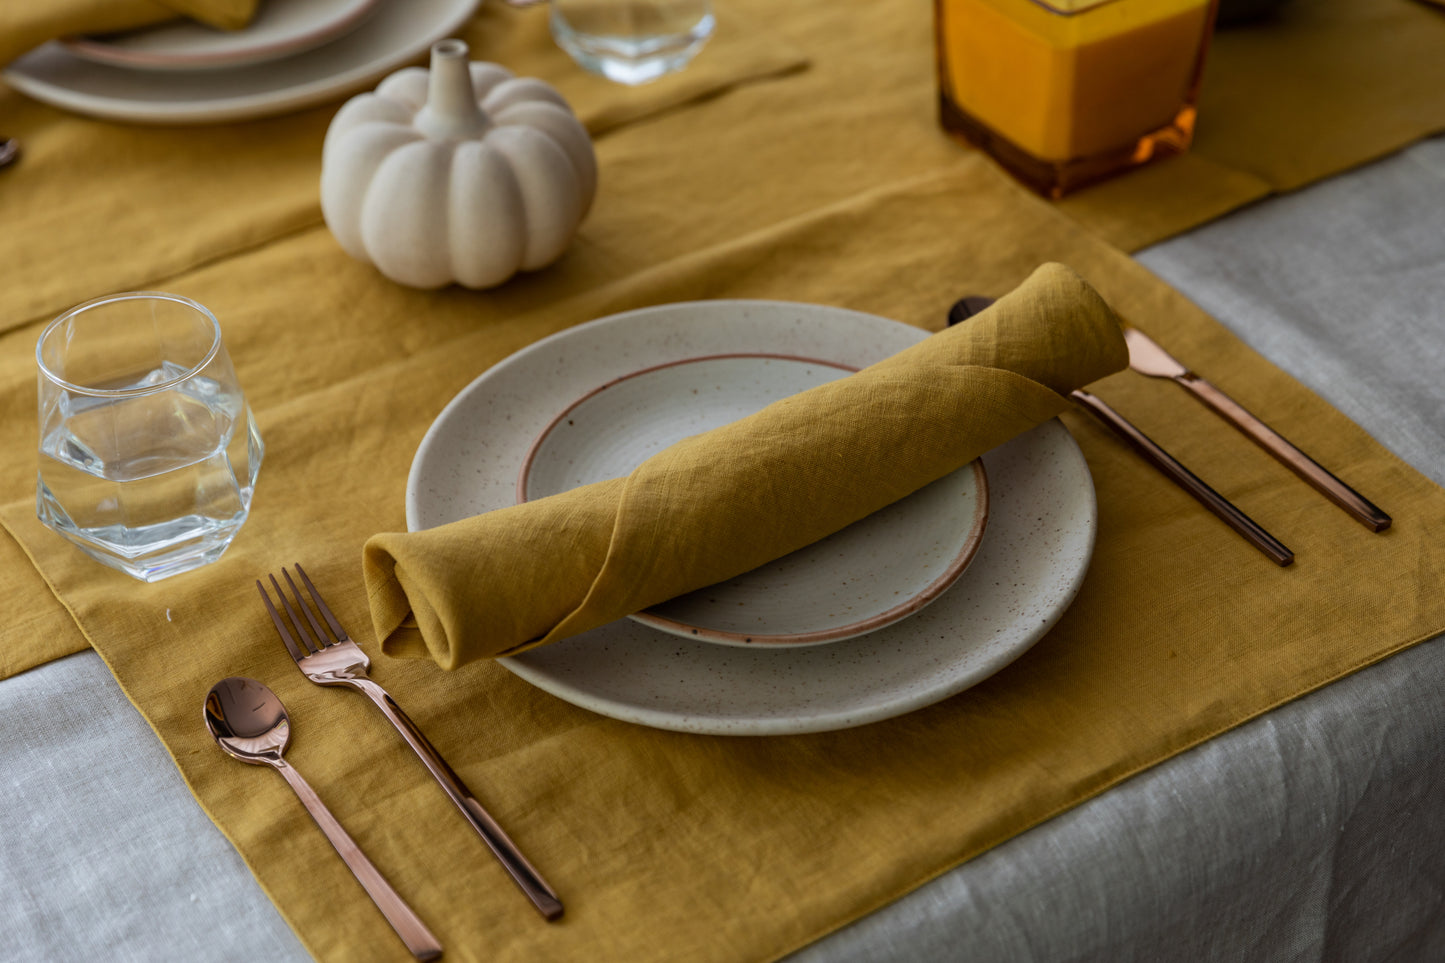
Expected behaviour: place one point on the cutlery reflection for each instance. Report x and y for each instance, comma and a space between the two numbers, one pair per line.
1148, 358
336, 660
1158, 457
249, 723
9, 151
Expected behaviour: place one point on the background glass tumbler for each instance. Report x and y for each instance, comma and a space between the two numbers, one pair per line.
1064, 93
148, 450
632, 41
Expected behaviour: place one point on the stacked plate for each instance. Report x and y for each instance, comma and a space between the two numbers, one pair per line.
294, 54
907, 607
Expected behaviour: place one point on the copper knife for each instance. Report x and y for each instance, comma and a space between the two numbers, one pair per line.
1222, 507
1153, 453
1148, 358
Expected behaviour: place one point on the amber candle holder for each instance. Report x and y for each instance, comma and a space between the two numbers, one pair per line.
1064, 93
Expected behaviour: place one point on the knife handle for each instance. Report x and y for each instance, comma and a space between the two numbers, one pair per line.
1186, 479
1291, 457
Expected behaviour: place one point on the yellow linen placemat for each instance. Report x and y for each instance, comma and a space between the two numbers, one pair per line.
173, 198
24, 26
668, 846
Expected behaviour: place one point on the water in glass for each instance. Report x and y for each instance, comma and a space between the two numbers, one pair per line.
146, 463
632, 41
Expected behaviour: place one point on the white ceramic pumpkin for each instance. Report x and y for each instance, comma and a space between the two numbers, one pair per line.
463, 174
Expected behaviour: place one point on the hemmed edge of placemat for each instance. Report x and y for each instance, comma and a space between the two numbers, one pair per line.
1109, 783
20, 543
170, 753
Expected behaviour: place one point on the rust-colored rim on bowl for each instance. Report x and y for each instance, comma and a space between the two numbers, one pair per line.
878, 620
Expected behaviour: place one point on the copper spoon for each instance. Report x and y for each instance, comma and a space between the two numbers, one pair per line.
250, 724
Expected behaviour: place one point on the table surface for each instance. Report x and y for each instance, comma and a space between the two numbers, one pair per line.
1308, 832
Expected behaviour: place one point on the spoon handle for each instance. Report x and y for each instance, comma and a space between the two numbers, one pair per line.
408, 925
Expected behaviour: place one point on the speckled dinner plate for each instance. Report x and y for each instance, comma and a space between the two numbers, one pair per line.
391, 35
871, 574
279, 28
1032, 559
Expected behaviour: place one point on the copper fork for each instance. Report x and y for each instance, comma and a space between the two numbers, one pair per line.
332, 658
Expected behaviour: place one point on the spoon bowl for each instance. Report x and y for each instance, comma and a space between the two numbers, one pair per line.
247, 721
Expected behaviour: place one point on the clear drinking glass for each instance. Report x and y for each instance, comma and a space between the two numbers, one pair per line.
148, 450
632, 41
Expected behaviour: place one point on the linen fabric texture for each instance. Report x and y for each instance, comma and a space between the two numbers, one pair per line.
664, 845
726, 501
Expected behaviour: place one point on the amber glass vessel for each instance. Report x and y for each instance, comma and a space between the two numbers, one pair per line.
1067, 92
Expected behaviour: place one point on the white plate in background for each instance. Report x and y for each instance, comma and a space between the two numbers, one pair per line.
397, 33
279, 28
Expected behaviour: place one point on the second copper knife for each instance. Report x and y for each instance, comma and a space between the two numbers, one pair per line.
1148, 358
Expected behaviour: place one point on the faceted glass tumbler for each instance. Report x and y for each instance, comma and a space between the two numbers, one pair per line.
148, 450
632, 41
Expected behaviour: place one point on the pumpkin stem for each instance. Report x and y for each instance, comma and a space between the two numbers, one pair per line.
451, 111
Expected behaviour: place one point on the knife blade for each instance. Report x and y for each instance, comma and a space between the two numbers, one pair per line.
1155, 454
1148, 357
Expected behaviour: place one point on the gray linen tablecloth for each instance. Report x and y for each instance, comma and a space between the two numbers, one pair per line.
1316, 832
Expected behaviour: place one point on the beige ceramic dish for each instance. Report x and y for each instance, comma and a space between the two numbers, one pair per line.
1035, 550
871, 574
395, 33
280, 28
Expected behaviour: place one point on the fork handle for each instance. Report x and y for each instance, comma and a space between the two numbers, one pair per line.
408, 925
543, 897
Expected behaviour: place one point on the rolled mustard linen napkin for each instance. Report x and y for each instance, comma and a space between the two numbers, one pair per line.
726, 501
25, 26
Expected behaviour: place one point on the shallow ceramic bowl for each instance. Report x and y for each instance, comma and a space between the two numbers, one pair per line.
871, 574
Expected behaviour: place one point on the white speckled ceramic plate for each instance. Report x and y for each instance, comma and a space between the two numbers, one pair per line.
279, 29
1029, 566
392, 35
871, 574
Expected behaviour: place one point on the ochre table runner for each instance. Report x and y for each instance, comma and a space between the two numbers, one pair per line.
669, 846
87, 189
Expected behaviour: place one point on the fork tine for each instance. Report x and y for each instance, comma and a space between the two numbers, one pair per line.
311, 645
285, 633
322, 639
341, 635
